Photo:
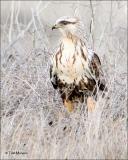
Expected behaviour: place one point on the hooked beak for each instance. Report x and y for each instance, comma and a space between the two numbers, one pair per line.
55, 27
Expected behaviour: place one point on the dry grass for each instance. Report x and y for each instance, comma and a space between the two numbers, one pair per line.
33, 119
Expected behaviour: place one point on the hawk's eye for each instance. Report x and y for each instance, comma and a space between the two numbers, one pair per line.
64, 22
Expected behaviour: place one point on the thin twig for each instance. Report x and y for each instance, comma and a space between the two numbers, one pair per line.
20, 35
11, 23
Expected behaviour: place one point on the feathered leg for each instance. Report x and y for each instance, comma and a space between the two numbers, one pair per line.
69, 105
91, 103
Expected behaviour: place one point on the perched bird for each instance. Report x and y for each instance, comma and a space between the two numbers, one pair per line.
75, 70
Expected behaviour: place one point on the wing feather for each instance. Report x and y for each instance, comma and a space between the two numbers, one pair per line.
97, 71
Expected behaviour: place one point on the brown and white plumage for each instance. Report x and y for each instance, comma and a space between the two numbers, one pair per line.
75, 71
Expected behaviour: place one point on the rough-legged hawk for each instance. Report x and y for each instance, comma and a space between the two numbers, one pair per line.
75, 70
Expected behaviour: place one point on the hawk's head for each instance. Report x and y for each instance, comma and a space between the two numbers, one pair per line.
67, 24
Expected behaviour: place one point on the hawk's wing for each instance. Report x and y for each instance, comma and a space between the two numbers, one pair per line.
95, 66
96, 69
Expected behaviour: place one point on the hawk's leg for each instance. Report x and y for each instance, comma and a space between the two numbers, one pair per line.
91, 103
69, 105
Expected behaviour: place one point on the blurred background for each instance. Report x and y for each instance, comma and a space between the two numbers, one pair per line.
107, 20
34, 120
